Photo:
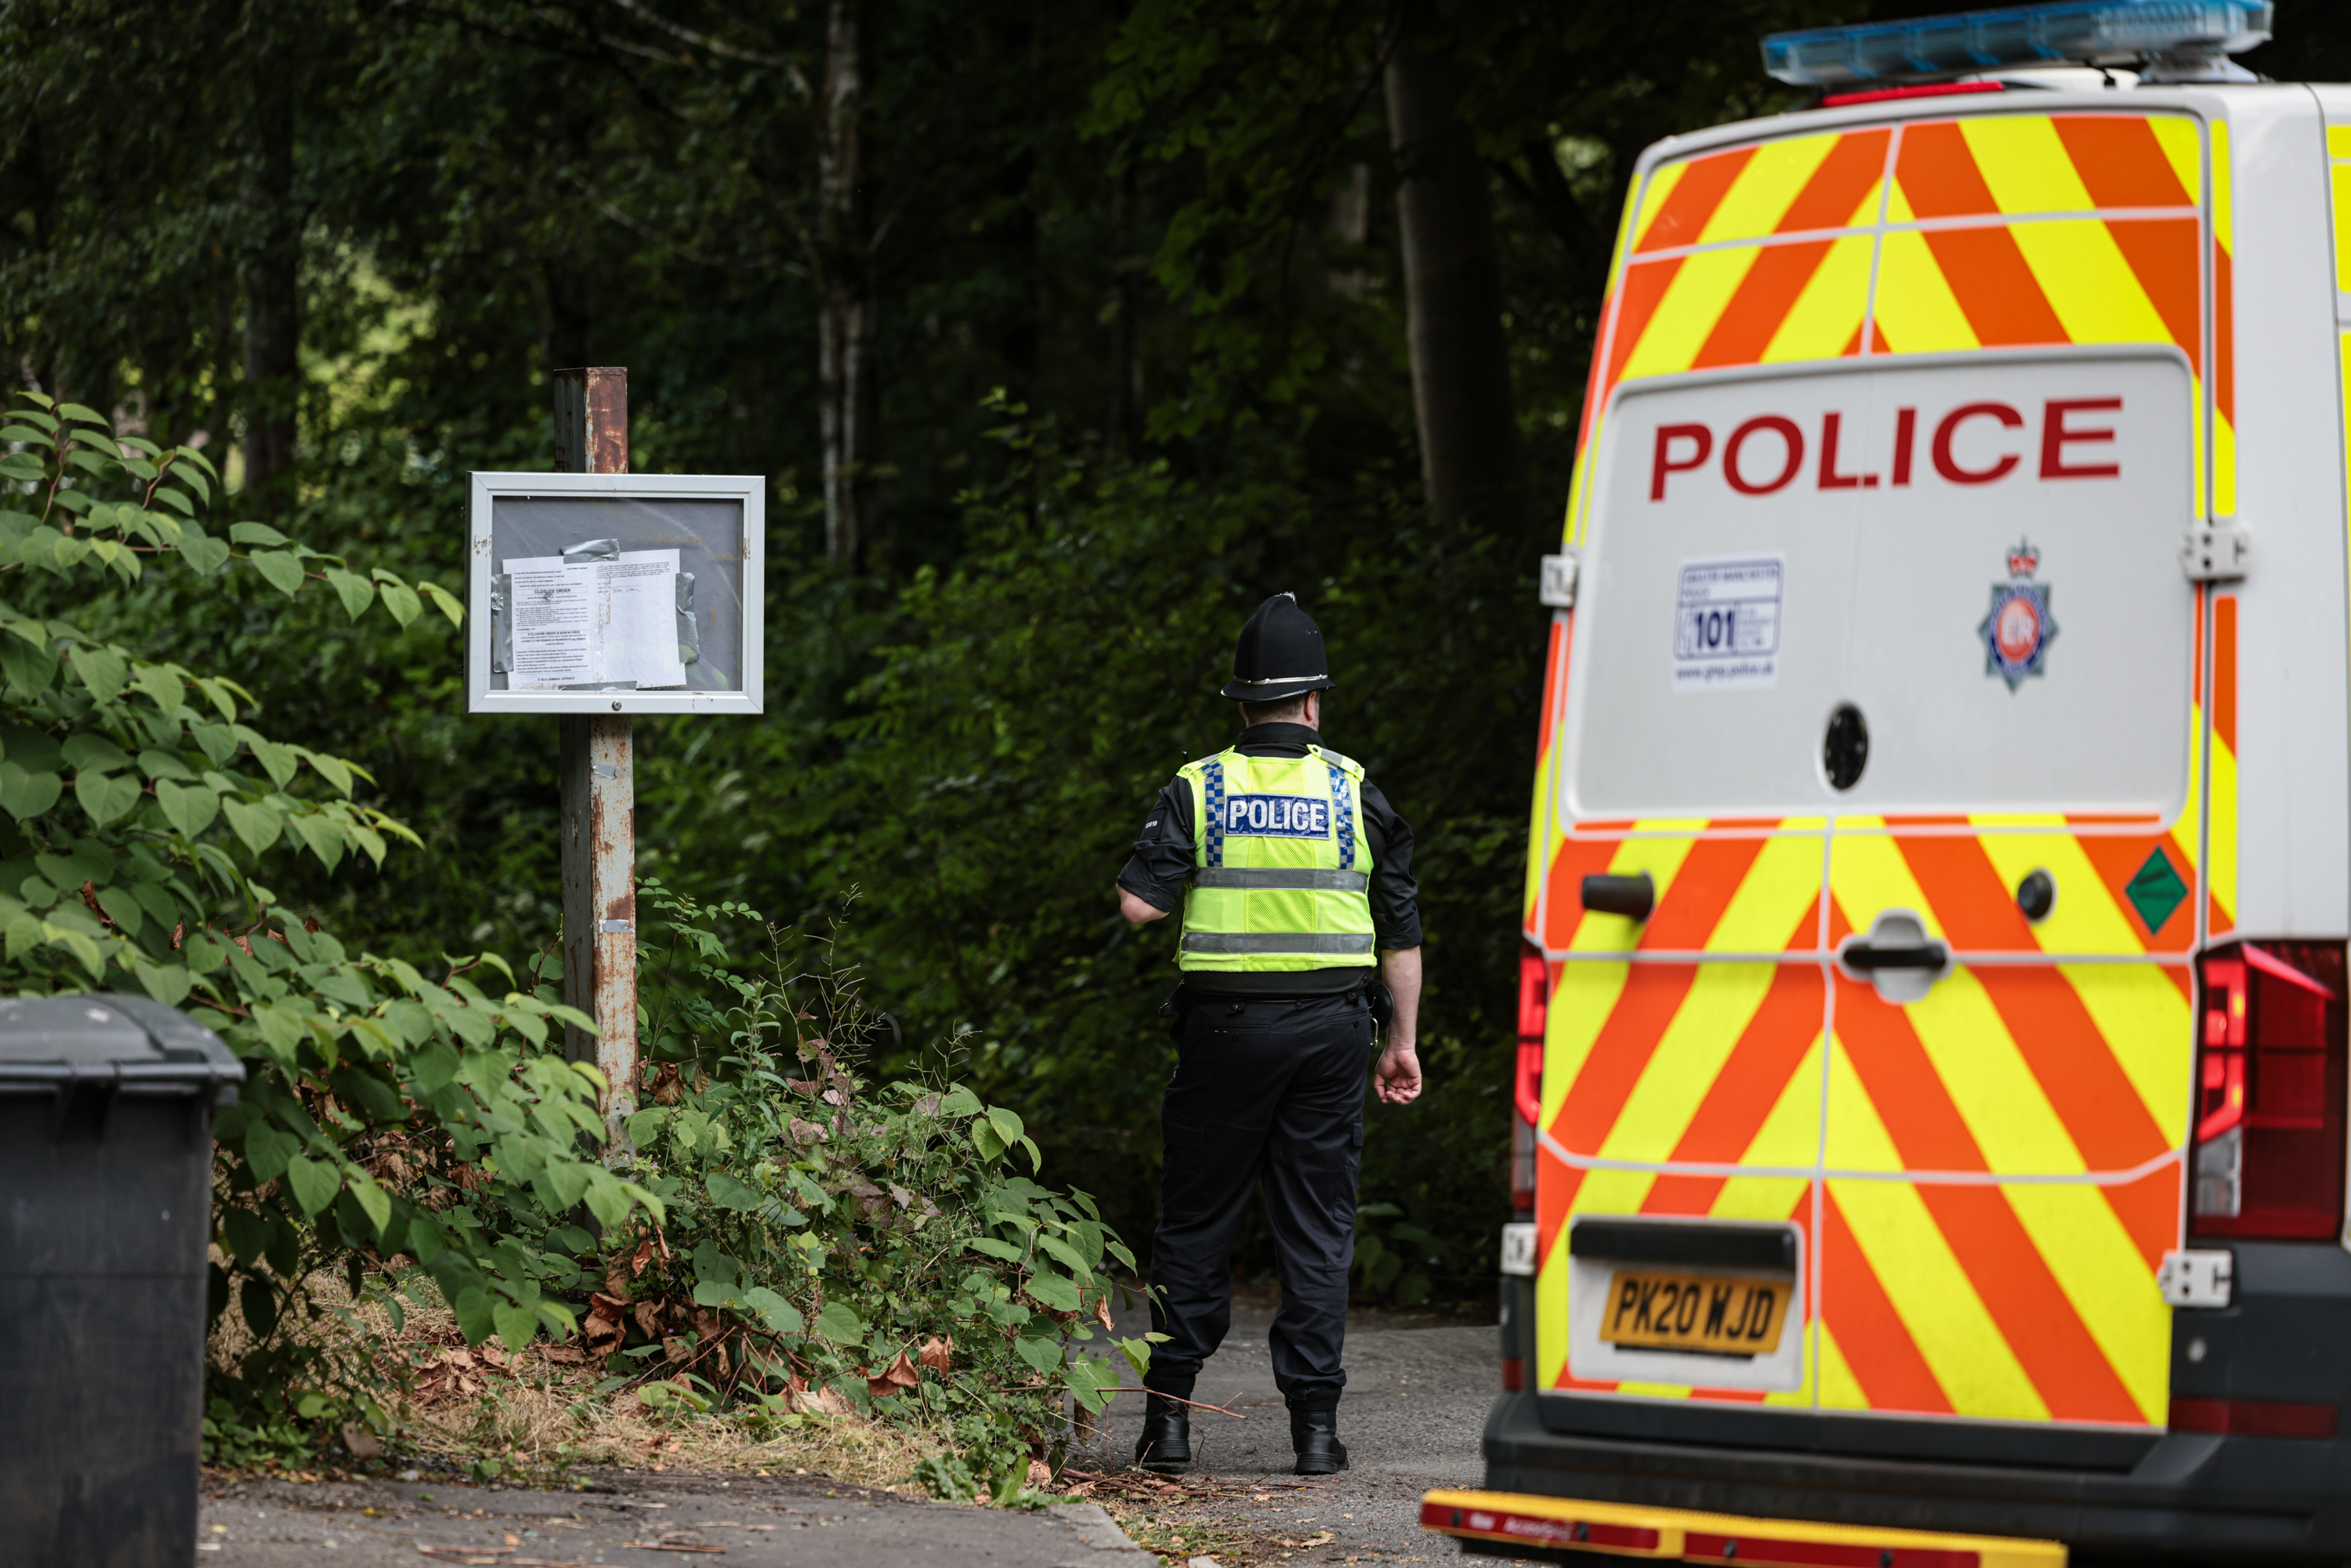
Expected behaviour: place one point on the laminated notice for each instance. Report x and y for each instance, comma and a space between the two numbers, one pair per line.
1727, 623
593, 619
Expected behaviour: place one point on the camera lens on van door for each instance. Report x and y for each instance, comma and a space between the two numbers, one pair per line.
1845, 752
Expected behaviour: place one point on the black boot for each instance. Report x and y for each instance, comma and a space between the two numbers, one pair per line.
1314, 1433
1166, 1441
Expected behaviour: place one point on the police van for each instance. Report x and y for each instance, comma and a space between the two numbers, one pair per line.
1931, 1089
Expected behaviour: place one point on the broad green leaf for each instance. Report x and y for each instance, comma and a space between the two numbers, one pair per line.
313, 1183
517, 1325
216, 694
206, 555
1067, 1256
102, 670
777, 1313
121, 906
256, 825
277, 760
356, 592
281, 570
24, 467
190, 808
30, 667
983, 1135
217, 741
570, 1181
1006, 1125
81, 414
995, 1249
267, 1149
168, 984
606, 1199
175, 500
323, 834
104, 798
728, 1193
1042, 1353
374, 1200
400, 602
256, 534
31, 749
840, 1324
473, 1310
92, 753
1053, 1291
333, 769
166, 685
959, 1102
162, 765
448, 602
23, 794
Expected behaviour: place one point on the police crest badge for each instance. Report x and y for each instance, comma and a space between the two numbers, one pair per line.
2017, 633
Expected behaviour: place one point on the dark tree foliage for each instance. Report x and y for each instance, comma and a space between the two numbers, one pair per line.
1122, 283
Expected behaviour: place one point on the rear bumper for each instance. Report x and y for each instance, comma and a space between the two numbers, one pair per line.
2147, 1494
2190, 1494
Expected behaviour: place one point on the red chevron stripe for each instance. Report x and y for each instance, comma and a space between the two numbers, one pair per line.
2120, 161
2224, 332
1996, 289
1938, 173
1693, 904
1761, 303
1838, 185
2149, 1210
1876, 1344
2162, 255
1756, 1073
1653, 993
1693, 200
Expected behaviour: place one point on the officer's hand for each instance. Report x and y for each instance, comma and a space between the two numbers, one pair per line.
1399, 1075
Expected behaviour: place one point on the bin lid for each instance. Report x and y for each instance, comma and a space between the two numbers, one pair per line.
129, 1040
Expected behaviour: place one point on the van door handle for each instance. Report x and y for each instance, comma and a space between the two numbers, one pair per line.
1865, 959
1631, 896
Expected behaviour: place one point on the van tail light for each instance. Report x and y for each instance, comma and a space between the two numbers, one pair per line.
1526, 1074
2269, 1091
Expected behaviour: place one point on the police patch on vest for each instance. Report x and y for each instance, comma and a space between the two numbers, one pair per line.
1277, 817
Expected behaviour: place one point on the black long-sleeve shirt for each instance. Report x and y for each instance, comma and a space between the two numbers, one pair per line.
1164, 858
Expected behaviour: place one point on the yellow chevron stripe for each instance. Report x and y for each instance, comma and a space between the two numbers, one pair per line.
1721, 1003
2096, 295
1695, 300
1867, 873
2220, 876
1915, 1267
1653, 202
1916, 308
2147, 1024
1551, 1314
1789, 1135
1579, 1005
2024, 164
2225, 235
1828, 312
2086, 919
1774, 895
1985, 1074
1764, 191
1840, 1389
2183, 147
1613, 1192
2106, 1279
2338, 140
2224, 199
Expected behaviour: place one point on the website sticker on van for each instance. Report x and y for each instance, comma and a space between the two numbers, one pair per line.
1727, 623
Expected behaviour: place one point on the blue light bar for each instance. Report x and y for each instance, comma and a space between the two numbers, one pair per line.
2182, 39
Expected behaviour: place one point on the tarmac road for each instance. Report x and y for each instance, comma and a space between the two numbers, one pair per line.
1416, 1405
758, 1522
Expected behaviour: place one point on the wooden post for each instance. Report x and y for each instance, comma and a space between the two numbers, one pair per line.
598, 824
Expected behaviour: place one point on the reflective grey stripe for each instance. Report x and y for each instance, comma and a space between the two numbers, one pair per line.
1283, 881
1257, 942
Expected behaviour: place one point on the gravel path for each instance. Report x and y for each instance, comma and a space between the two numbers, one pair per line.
1416, 1404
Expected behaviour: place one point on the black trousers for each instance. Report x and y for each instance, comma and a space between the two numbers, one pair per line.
1266, 1090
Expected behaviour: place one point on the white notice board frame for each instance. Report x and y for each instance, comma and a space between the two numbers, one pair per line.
747, 695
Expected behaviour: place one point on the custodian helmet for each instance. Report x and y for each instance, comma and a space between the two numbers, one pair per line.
1279, 656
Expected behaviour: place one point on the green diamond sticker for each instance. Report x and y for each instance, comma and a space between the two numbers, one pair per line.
2154, 889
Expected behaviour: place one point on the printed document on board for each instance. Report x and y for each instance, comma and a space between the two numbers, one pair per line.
595, 622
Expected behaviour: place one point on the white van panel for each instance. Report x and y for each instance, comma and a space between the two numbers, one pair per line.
2293, 704
1766, 547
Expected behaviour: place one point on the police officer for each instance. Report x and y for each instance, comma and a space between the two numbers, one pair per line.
1294, 877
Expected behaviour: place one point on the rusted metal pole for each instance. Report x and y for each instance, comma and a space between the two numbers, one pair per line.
600, 797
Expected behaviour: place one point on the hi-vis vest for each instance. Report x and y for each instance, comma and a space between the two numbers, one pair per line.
1284, 872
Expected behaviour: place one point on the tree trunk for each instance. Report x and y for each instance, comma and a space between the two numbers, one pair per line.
842, 256
1470, 462
272, 274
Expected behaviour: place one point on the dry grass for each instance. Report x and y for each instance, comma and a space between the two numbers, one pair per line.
538, 1413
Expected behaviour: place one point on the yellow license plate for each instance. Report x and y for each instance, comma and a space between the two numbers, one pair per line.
1705, 1313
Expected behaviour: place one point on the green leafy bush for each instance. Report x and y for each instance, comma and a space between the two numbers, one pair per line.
823, 1245
138, 811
